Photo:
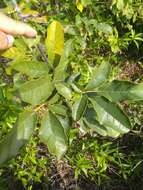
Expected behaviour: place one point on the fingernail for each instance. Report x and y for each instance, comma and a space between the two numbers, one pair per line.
3, 41
31, 32
10, 40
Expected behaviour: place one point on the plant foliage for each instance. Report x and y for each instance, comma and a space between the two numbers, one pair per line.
42, 86
65, 79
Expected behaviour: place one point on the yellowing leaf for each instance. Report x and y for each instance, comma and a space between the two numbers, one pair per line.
40, 19
79, 6
28, 11
55, 40
12, 52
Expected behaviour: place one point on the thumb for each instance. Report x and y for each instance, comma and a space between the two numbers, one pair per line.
6, 41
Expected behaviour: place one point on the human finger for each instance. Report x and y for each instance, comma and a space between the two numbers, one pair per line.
6, 41
13, 27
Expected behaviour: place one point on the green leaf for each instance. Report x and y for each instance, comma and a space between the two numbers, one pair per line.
36, 91
18, 136
65, 122
52, 134
136, 92
105, 28
112, 132
1, 95
79, 107
84, 129
61, 112
58, 109
122, 90
55, 40
60, 71
90, 119
54, 99
64, 90
100, 75
86, 2
18, 80
30, 68
120, 4
110, 115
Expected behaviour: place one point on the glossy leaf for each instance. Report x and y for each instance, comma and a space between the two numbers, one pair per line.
36, 91
99, 76
65, 122
79, 107
18, 136
123, 90
112, 132
110, 115
90, 119
55, 40
53, 135
31, 68
64, 90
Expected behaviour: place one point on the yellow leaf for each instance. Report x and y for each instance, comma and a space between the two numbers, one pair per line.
55, 40
12, 52
79, 5
28, 11
40, 19
8, 70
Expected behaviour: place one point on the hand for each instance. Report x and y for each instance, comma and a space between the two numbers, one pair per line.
9, 28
